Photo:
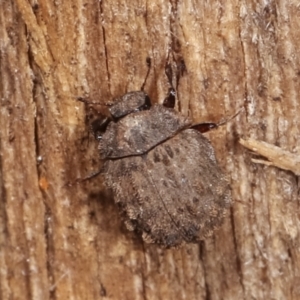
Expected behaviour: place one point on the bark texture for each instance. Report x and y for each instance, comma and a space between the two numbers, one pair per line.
68, 242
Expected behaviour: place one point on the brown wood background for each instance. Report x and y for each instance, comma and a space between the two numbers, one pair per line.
62, 242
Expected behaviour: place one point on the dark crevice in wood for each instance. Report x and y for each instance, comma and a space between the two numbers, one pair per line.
105, 46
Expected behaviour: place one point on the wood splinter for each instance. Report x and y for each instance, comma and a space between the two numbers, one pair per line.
276, 156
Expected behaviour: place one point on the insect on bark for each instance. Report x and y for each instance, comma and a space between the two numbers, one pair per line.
162, 170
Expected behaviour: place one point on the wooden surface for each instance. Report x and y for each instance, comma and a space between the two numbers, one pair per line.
68, 242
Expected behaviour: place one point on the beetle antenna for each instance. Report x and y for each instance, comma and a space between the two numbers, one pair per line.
207, 126
230, 118
148, 62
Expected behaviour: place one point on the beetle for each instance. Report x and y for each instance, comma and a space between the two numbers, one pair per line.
162, 171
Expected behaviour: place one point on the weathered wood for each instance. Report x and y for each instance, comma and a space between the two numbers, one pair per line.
68, 242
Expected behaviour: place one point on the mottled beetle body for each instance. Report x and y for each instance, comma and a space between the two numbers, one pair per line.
163, 173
